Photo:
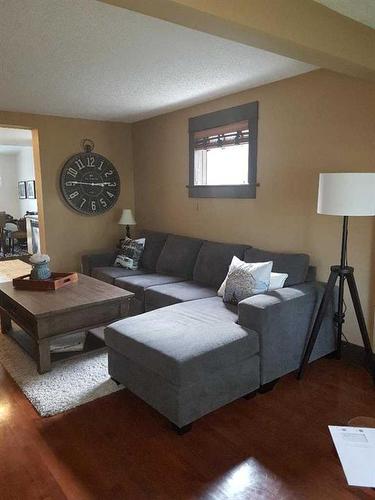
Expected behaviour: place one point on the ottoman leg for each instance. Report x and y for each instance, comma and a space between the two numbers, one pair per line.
250, 395
268, 387
181, 430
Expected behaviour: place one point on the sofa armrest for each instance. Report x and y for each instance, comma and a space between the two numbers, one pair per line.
88, 262
283, 319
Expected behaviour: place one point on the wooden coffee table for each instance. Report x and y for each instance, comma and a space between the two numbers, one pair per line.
77, 307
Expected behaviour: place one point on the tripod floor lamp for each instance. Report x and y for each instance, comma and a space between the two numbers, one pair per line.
343, 194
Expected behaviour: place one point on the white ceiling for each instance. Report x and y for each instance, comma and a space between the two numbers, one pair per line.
15, 137
362, 11
84, 58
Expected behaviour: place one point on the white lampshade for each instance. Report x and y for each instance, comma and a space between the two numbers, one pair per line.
347, 194
127, 218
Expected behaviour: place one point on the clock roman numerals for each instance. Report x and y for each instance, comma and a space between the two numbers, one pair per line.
72, 172
79, 164
90, 183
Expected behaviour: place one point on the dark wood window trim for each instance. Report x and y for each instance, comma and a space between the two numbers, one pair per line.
248, 112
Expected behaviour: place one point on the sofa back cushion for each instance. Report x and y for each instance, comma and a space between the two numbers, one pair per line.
294, 264
178, 256
154, 244
311, 274
213, 262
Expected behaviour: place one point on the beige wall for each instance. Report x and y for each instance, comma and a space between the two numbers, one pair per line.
68, 234
317, 122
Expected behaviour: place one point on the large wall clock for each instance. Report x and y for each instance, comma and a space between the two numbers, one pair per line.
89, 182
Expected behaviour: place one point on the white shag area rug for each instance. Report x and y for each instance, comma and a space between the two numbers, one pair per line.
71, 382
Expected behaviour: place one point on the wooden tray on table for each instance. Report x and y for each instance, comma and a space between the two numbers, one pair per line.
56, 281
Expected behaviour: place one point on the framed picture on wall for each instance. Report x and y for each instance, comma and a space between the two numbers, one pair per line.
30, 189
22, 190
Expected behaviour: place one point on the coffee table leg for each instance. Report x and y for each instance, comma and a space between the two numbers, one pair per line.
6, 322
43, 356
124, 308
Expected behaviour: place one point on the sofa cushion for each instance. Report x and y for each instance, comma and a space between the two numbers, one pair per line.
153, 246
183, 342
173, 293
110, 273
311, 274
294, 264
178, 256
213, 262
138, 284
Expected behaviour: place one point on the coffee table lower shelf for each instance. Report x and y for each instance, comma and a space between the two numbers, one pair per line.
94, 340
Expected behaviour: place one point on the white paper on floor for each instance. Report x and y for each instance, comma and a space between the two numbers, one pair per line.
356, 449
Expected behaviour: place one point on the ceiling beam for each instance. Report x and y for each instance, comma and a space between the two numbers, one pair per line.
301, 29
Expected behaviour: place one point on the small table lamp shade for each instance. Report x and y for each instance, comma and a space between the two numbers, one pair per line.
347, 194
127, 218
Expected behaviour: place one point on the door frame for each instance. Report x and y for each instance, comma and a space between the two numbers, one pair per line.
38, 180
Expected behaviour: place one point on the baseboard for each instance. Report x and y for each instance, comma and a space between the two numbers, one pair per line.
352, 351
356, 355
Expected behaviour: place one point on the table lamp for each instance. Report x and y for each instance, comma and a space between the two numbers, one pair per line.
127, 219
343, 194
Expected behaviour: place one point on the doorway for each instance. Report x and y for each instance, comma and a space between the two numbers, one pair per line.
20, 201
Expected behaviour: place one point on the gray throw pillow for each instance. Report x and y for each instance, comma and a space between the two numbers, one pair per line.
244, 280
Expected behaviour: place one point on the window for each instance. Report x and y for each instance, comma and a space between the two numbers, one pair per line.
221, 155
223, 151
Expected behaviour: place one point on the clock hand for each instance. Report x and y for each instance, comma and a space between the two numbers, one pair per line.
74, 183
101, 184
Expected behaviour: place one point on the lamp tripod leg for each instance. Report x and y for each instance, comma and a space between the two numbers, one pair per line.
359, 313
362, 323
340, 316
318, 322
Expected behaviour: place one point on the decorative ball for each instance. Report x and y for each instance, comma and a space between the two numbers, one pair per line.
37, 258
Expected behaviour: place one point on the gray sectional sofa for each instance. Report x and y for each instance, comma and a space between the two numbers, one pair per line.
187, 353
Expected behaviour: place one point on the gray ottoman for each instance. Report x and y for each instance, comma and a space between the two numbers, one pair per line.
185, 360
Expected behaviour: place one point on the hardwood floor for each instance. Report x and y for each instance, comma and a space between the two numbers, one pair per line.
275, 445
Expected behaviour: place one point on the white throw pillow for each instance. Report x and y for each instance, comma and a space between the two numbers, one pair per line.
246, 279
221, 290
277, 281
